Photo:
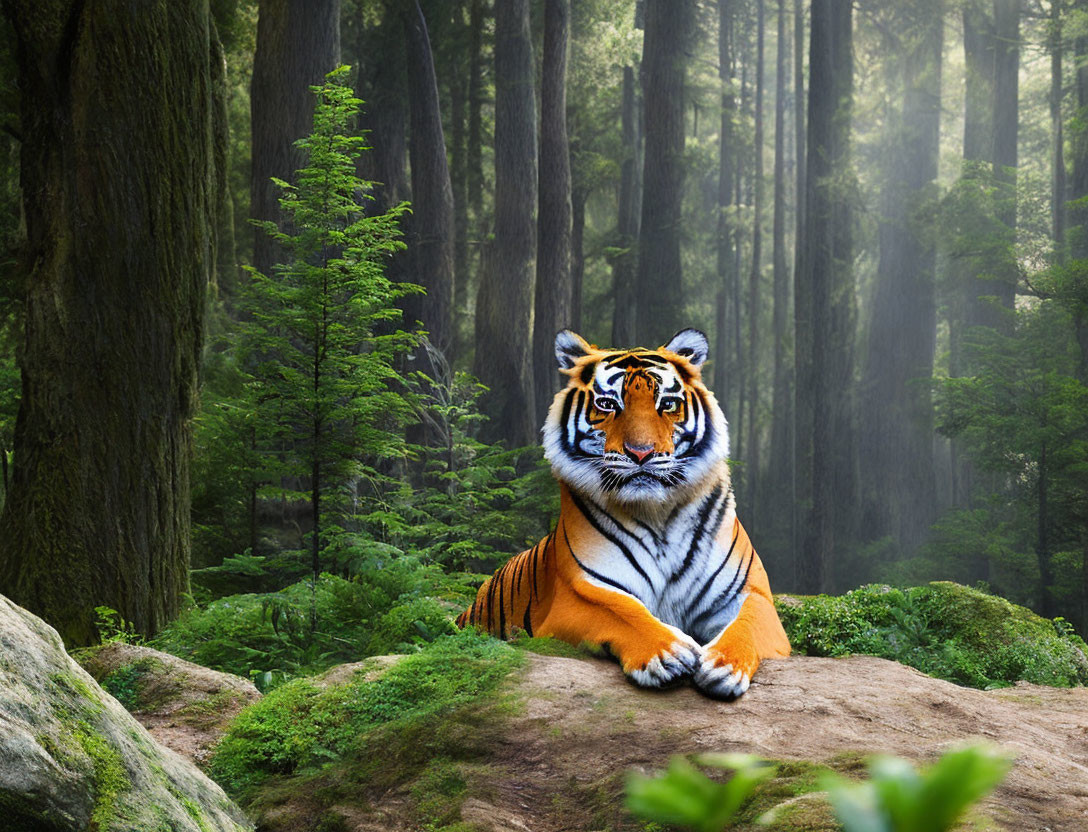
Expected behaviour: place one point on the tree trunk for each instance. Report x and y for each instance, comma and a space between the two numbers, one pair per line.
1057, 137
897, 431
659, 294
552, 308
577, 257
1006, 131
298, 41
823, 477
457, 87
752, 476
624, 264
504, 308
429, 229
779, 474
723, 358
118, 177
475, 173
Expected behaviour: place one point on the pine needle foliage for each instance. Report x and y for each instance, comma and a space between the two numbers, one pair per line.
321, 338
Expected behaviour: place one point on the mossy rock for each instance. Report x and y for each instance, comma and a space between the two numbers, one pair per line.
71, 758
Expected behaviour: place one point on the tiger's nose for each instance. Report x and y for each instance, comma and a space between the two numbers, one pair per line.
638, 452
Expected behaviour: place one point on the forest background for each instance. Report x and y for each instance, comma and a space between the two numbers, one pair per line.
875, 210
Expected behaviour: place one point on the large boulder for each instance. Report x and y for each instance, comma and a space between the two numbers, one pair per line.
73, 759
184, 706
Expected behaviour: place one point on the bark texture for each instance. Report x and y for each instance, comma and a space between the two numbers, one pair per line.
119, 174
624, 264
430, 227
659, 292
823, 318
298, 41
554, 290
504, 306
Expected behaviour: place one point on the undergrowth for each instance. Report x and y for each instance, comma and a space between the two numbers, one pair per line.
944, 629
418, 711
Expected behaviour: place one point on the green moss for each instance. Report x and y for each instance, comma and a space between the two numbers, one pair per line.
949, 631
381, 731
204, 713
191, 808
110, 778
547, 646
73, 686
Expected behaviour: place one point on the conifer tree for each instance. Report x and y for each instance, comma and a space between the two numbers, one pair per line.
322, 377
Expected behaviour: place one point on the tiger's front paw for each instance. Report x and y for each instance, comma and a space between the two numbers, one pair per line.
725, 674
671, 664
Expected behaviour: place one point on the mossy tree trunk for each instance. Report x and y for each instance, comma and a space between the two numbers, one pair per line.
119, 174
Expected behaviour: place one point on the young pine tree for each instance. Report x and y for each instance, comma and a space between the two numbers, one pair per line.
320, 342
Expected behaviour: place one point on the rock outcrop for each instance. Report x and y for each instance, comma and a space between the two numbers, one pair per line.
184, 706
72, 758
558, 752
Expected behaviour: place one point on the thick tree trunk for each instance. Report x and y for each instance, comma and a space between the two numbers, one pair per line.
1006, 131
624, 265
552, 308
457, 87
118, 176
430, 226
823, 476
298, 41
504, 308
577, 257
659, 293
897, 431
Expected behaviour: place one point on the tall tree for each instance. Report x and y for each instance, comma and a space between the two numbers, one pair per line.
118, 176
823, 327
298, 41
780, 476
723, 358
897, 431
624, 264
552, 308
754, 274
659, 293
429, 228
1057, 131
504, 307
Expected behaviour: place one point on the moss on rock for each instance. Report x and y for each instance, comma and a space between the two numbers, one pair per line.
944, 629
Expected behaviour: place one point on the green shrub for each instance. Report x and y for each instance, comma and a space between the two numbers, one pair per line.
269, 637
944, 629
300, 726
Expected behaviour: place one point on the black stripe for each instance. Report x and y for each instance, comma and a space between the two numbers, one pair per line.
502, 614
518, 571
725, 597
490, 603
587, 371
612, 539
710, 581
700, 530
528, 622
589, 571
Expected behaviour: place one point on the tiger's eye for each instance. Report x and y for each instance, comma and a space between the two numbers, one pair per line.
670, 406
604, 405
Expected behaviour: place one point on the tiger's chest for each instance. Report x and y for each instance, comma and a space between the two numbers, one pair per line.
688, 571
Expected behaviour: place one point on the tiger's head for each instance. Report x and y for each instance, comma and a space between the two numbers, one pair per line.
636, 426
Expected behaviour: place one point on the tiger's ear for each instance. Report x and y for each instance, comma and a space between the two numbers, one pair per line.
569, 347
690, 343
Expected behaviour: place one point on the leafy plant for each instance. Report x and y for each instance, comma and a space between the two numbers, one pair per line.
684, 796
897, 798
112, 627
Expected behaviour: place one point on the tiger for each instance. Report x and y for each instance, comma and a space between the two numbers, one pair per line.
648, 559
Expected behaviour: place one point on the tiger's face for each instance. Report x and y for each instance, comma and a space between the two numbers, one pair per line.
635, 426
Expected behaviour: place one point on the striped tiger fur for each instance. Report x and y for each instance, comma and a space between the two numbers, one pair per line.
648, 557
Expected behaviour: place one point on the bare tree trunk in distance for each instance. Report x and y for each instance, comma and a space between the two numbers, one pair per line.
824, 271
552, 308
624, 265
118, 177
298, 41
1057, 134
897, 431
799, 497
779, 476
504, 308
725, 239
429, 229
659, 293
751, 479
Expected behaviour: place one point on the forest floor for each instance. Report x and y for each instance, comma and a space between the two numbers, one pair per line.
558, 753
